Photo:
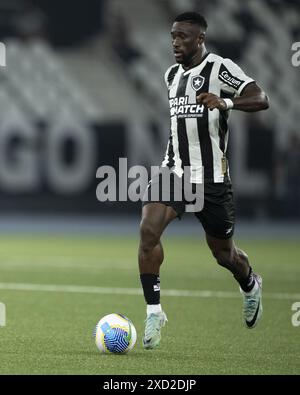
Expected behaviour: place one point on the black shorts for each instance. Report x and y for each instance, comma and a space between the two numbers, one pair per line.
217, 215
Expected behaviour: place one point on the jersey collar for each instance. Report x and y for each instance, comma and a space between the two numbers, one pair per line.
186, 72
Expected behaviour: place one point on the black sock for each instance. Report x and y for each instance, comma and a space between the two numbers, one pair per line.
151, 288
248, 284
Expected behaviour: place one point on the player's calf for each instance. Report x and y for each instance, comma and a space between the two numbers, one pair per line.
236, 260
232, 260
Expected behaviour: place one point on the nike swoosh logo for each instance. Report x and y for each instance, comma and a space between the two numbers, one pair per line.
252, 322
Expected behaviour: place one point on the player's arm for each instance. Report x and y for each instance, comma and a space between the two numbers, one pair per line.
253, 98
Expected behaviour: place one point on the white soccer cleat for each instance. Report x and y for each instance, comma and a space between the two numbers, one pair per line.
154, 323
252, 309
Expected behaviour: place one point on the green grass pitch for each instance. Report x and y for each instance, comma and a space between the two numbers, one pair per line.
51, 332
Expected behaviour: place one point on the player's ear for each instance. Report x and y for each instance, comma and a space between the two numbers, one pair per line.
201, 38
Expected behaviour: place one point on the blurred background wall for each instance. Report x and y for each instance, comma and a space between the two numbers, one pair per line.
83, 86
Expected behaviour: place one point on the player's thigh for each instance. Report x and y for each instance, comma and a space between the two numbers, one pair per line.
218, 214
156, 217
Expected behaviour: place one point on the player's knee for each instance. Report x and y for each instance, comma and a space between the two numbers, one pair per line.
149, 237
224, 257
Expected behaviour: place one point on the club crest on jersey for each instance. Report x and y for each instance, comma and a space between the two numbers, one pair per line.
197, 82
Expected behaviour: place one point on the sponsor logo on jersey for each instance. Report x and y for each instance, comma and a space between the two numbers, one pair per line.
180, 107
228, 78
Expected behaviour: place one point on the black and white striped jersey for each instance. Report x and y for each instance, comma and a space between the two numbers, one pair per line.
198, 137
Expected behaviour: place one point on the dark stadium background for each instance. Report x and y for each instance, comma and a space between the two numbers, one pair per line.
84, 86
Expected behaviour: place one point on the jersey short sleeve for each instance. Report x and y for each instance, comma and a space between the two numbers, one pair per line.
166, 77
170, 74
232, 78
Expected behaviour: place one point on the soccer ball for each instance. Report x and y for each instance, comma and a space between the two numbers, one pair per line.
115, 333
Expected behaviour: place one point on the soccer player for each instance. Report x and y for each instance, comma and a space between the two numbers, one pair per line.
203, 88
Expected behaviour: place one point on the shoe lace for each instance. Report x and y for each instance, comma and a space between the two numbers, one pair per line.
250, 305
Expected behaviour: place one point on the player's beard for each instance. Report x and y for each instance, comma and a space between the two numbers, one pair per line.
187, 59
182, 58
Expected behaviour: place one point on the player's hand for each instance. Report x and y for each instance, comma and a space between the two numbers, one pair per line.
211, 101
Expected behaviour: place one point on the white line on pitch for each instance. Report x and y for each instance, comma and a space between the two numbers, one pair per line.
134, 291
